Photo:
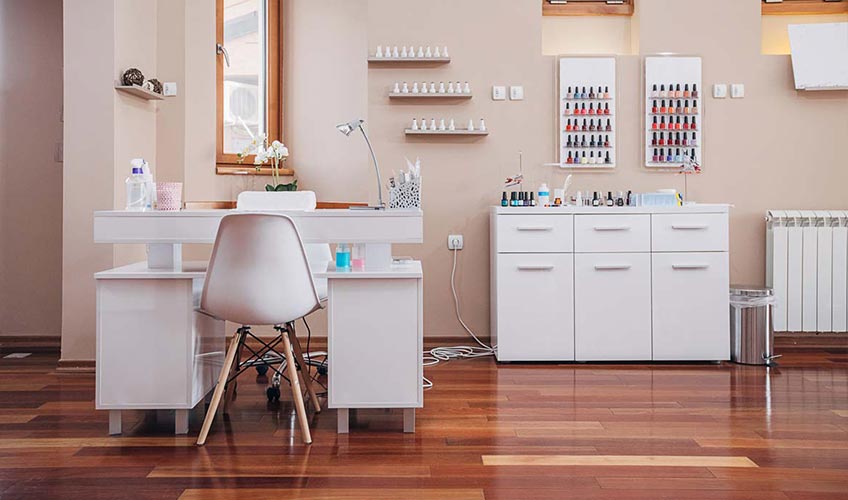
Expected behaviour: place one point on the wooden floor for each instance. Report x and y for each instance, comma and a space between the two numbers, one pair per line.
487, 431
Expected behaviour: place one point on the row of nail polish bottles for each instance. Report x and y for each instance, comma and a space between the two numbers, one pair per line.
674, 123
581, 109
581, 142
672, 155
411, 53
674, 91
432, 88
580, 93
680, 107
674, 139
444, 126
581, 158
588, 125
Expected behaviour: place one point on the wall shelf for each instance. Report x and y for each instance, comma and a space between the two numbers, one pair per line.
409, 131
408, 60
410, 95
140, 92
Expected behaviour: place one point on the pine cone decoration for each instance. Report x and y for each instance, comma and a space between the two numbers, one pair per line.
133, 76
157, 85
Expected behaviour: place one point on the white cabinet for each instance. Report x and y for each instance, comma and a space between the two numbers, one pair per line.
690, 307
536, 307
612, 307
610, 283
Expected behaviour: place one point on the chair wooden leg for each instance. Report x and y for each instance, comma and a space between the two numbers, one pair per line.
304, 369
300, 409
230, 388
219, 388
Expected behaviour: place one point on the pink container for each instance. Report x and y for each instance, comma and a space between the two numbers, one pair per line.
169, 195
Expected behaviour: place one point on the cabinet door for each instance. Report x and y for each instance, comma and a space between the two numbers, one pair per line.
690, 306
612, 307
535, 307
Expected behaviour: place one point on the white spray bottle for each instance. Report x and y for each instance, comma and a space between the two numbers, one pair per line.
149, 184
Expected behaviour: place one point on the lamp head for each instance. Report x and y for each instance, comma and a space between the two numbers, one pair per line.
349, 127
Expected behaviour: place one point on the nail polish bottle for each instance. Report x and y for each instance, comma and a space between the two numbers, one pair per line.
584, 94
695, 107
591, 109
663, 93
670, 157
694, 90
433, 124
606, 93
610, 200
663, 108
424, 124
687, 109
607, 160
662, 123
585, 126
568, 125
592, 125
437, 53
532, 199
504, 200
482, 125
596, 200
654, 92
569, 94
609, 125
470, 126
685, 123
591, 92
442, 125
451, 88
685, 141
513, 199
656, 157
591, 158
606, 108
606, 141
442, 88
678, 157
467, 88
568, 142
424, 88
677, 140
568, 109
677, 125
692, 155
414, 124
671, 90
395, 52
694, 125
445, 52
379, 53
429, 52
584, 160
694, 141
677, 92
654, 125
452, 125
415, 89
420, 52
403, 52
662, 139
583, 109
654, 139
655, 109
583, 142
679, 106
662, 156
686, 92
592, 141
405, 89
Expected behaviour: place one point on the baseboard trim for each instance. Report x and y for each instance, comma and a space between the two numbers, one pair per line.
812, 340
39, 343
75, 366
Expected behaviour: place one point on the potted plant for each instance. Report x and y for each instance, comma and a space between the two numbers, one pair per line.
276, 153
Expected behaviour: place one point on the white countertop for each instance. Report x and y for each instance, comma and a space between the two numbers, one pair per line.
298, 213
139, 270
699, 208
410, 269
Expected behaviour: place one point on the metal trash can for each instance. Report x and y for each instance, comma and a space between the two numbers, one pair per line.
751, 327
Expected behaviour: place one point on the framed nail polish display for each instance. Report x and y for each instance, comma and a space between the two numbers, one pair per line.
587, 112
673, 111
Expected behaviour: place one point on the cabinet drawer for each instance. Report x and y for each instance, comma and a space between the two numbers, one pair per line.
612, 233
535, 233
689, 233
690, 306
535, 307
612, 307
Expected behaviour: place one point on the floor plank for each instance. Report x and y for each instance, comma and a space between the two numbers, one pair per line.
632, 460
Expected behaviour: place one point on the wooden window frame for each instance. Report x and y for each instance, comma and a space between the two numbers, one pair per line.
588, 8
229, 163
804, 7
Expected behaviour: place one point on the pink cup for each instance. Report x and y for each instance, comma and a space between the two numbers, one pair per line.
169, 195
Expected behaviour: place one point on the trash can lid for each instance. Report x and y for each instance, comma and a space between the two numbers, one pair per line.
751, 291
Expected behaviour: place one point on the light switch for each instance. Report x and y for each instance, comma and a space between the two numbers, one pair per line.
737, 90
498, 93
719, 90
516, 93
169, 88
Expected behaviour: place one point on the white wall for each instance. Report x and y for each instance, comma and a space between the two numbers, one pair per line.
30, 178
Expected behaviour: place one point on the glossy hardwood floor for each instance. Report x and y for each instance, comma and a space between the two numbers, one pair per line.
487, 431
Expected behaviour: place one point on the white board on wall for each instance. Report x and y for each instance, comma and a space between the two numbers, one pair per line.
819, 55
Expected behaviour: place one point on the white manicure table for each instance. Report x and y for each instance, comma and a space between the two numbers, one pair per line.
156, 352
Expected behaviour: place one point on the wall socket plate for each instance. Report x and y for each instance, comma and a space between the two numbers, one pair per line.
455, 242
719, 91
169, 89
499, 93
516, 93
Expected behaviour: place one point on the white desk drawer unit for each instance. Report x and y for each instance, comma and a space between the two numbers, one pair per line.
610, 284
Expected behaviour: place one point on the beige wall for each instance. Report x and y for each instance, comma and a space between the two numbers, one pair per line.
775, 39
760, 152
30, 178
586, 35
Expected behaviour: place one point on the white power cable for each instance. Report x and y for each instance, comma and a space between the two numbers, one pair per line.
438, 354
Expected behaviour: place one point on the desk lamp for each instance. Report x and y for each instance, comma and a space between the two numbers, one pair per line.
347, 129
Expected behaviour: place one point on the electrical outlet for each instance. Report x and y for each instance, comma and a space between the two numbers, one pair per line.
498, 93
516, 93
169, 89
455, 242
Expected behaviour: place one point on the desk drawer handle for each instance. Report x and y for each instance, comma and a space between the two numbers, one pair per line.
612, 267
684, 267
680, 227
612, 228
535, 228
536, 268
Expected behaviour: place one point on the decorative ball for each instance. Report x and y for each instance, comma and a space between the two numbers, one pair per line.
148, 86
157, 85
132, 76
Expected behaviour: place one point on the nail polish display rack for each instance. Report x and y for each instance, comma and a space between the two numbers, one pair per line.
447, 128
587, 100
428, 55
431, 90
673, 111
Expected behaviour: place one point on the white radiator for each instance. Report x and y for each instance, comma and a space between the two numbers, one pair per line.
807, 265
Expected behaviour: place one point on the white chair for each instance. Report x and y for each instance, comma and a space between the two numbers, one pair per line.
259, 275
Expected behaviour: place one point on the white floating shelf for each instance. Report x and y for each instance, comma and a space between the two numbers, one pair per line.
409, 131
140, 92
414, 60
410, 95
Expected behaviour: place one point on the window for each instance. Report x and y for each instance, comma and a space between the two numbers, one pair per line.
249, 79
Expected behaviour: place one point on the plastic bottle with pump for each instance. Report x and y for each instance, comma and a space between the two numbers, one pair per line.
147, 180
136, 191
544, 195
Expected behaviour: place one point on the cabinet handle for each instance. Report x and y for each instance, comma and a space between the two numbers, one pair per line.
679, 227
612, 267
612, 228
535, 228
690, 266
536, 268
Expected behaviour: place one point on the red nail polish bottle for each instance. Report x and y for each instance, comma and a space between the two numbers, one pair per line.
685, 123
591, 109
606, 141
654, 139
694, 125
606, 109
663, 109
662, 123
662, 139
